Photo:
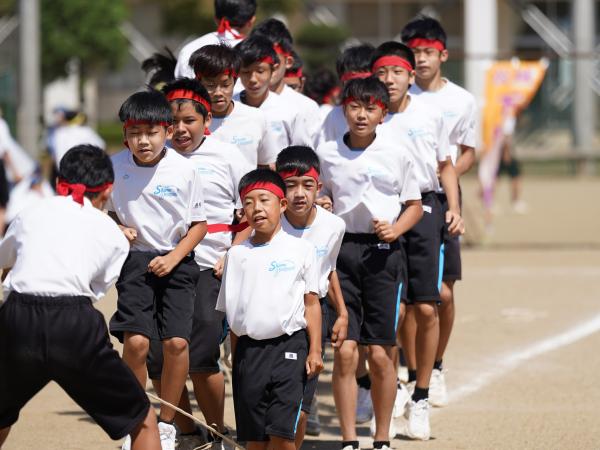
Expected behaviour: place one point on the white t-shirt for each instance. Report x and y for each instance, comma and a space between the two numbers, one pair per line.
61, 248
421, 130
23, 196
326, 234
334, 126
324, 110
183, 69
367, 184
23, 163
308, 110
68, 136
246, 128
160, 202
263, 287
458, 110
220, 166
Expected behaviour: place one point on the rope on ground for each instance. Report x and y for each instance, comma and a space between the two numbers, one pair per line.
226, 439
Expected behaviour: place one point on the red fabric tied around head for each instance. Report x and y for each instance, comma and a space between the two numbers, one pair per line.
312, 172
184, 94
131, 122
334, 91
427, 43
76, 190
225, 26
353, 75
267, 59
266, 185
371, 101
392, 60
228, 72
294, 73
280, 51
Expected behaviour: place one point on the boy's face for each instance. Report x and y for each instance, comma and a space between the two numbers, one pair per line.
220, 89
296, 83
256, 78
147, 141
301, 194
397, 80
263, 209
285, 63
429, 61
188, 126
363, 118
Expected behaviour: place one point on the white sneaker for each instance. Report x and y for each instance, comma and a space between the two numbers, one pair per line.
392, 433
403, 374
126, 443
402, 397
364, 406
438, 395
410, 387
348, 447
167, 433
418, 420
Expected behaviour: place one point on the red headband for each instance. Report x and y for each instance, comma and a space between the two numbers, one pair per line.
371, 101
427, 43
392, 60
131, 122
353, 75
266, 185
327, 98
312, 172
294, 73
267, 59
229, 72
184, 94
224, 26
280, 51
76, 190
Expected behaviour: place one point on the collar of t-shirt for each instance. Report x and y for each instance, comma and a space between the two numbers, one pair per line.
346, 140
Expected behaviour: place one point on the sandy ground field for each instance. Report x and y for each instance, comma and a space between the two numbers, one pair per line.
522, 364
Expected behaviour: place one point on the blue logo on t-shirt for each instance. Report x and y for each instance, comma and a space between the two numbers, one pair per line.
165, 190
277, 127
321, 251
277, 267
205, 170
241, 140
417, 132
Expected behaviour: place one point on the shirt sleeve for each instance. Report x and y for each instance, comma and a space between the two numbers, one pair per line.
443, 140
409, 189
8, 245
110, 269
221, 299
267, 148
466, 133
335, 251
182, 68
300, 134
311, 272
197, 212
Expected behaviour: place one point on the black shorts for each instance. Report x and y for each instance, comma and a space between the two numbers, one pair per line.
451, 246
156, 307
268, 383
64, 339
512, 168
312, 382
208, 329
4, 191
371, 275
422, 250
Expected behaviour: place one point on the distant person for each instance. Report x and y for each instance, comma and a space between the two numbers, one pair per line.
294, 76
510, 165
71, 132
323, 87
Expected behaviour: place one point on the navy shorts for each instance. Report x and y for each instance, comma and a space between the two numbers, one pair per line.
312, 382
451, 247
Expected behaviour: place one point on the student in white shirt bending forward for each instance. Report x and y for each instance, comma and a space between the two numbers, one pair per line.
269, 294
65, 254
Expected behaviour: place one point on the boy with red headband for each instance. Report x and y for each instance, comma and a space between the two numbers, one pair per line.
269, 294
323, 87
370, 181
299, 167
217, 67
235, 19
158, 202
419, 130
58, 257
426, 37
294, 76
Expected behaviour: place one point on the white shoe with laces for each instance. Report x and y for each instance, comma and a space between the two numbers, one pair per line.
418, 420
364, 406
167, 433
126, 443
391, 434
402, 397
438, 395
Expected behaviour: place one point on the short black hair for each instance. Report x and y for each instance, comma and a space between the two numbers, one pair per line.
193, 85
297, 157
213, 60
298, 63
393, 48
149, 106
261, 175
276, 31
238, 12
319, 84
254, 49
355, 59
86, 164
160, 67
423, 27
366, 90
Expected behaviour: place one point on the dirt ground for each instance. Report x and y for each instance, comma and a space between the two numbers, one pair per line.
522, 363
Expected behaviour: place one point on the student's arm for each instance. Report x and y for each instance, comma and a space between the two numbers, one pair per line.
340, 327
8, 246
312, 314
163, 265
239, 237
450, 184
408, 219
130, 233
17, 177
465, 160
233, 342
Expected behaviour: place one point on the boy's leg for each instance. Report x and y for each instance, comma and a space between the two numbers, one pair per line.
408, 330
175, 371
209, 390
3, 435
257, 445
145, 436
446, 313
135, 352
278, 443
383, 388
426, 344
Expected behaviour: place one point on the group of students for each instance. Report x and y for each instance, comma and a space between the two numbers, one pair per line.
244, 209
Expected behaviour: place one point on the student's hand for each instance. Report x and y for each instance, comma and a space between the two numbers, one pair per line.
385, 230
162, 265
455, 223
218, 268
130, 233
314, 363
339, 331
325, 202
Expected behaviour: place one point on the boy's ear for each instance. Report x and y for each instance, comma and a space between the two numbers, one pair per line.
319, 187
444, 55
289, 62
283, 204
384, 112
169, 132
208, 120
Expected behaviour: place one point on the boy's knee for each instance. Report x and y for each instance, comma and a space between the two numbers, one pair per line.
447, 292
346, 356
137, 344
175, 346
426, 312
379, 358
